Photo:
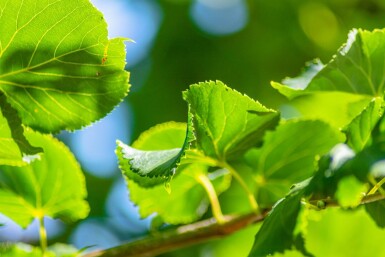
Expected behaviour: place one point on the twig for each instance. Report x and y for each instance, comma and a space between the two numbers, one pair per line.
198, 232
182, 236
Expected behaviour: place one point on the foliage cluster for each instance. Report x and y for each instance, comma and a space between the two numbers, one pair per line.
64, 73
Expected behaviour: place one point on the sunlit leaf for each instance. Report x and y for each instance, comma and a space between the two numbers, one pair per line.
181, 200
15, 149
186, 200
24, 250
53, 186
226, 122
58, 68
335, 108
350, 192
357, 68
288, 156
360, 129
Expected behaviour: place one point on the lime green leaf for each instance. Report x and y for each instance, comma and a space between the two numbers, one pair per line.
360, 129
53, 186
335, 108
226, 122
243, 239
288, 156
15, 149
155, 165
187, 199
24, 250
57, 67
350, 192
20, 250
63, 250
376, 210
357, 68
277, 231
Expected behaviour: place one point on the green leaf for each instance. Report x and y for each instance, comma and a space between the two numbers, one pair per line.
277, 231
226, 122
15, 149
57, 67
24, 250
359, 131
155, 165
291, 86
357, 68
20, 250
288, 155
350, 192
53, 186
186, 201
334, 167
376, 211
335, 108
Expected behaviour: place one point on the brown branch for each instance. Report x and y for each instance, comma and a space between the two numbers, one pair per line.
182, 236
198, 232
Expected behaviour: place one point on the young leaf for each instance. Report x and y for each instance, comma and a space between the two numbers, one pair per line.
288, 156
277, 232
360, 129
187, 199
350, 192
53, 186
60, 73
357, 68
155, 165
335, 108
226, 122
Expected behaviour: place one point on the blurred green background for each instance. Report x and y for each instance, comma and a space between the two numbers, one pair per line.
245, 44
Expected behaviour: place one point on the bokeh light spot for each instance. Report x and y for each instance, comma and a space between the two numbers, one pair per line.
95, 145
220, 17
138, 20
319, 24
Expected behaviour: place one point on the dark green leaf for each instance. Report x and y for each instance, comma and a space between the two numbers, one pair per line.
57, 67
332, 170
277, 232
226, 122
376, 210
